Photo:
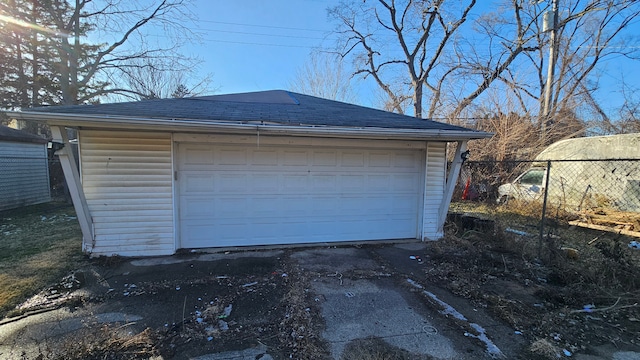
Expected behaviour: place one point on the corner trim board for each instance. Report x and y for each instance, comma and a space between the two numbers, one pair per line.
72, 176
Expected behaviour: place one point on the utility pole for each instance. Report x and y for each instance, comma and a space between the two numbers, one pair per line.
553, 44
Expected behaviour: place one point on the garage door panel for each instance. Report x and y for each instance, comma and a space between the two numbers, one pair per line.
231, 208
352, 183
292, 206
197, 207
197, 233
194, 156
325, 158
404, 183
323, 183
378, 182
376, 204
295, 158
233, 196
263, 206
405, 160
379, 159
403, 205
353, 159
264, 158
325, 205
232, 156
265, 183
230, 234
232, 183
198, 183
295, 183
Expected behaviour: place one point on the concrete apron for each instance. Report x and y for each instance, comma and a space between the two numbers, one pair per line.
359, 309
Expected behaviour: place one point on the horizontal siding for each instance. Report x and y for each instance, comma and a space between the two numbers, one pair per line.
127, 181
434, 188
24, 174
10, 149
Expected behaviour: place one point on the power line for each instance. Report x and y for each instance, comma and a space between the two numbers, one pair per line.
260, 34
262, 26
259, 44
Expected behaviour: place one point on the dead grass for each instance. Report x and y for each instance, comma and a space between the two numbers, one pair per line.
376, 349
38, 245
299, 330
543, 287
544, 349
111, 341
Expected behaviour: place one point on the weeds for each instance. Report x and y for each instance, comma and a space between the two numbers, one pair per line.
112, 342
377, 349
298, 331
578, 282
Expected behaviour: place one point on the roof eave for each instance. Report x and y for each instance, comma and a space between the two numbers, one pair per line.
159, 124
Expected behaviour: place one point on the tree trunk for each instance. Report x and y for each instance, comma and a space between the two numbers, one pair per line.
417, 99
35, 82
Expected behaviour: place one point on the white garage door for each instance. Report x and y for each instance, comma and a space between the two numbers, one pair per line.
233, 195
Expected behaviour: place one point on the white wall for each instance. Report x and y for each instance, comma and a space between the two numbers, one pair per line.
127, 180
435, 181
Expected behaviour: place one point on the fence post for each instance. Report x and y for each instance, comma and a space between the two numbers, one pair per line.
544, 207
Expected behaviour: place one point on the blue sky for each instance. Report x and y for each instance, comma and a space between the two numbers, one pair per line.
254, 45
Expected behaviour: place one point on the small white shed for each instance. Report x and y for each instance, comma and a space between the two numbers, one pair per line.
264, 168
24, 169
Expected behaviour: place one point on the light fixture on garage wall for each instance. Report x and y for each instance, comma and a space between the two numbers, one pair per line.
55, 146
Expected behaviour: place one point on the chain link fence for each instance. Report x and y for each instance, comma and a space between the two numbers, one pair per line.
589, 193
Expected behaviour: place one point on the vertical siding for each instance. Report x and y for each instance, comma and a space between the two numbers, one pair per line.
24, 174
435, 180
127, 180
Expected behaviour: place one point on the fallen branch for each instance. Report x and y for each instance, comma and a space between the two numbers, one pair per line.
612, 307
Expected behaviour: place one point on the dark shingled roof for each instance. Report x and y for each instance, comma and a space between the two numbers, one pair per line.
275, 106
9, 134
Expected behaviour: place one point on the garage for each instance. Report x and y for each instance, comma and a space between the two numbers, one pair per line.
235, 195
262, 168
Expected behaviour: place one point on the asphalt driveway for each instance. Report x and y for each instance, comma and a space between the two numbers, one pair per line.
307, 303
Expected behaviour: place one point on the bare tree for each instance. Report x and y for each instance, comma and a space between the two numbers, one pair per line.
323, 76
152, 79
588, 32
490, 56
516, 133
431, 54
388, 37
628, 115
412, 49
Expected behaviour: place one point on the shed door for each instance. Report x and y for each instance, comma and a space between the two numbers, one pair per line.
233, 195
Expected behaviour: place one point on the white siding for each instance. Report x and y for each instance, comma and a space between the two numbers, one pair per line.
435, 180
127, 180
24, 174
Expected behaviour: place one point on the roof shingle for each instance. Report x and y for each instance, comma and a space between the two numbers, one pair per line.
275, 106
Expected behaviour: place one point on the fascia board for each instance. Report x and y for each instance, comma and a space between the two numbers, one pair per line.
156, 124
